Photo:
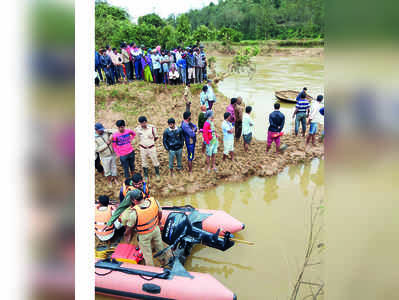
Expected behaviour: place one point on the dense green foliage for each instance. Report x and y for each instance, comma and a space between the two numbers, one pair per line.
264, 19
229, 21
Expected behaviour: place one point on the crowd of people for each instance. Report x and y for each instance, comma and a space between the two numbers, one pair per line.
132, 62
140, 212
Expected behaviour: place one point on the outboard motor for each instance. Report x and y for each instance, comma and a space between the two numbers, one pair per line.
179, 233
176, 225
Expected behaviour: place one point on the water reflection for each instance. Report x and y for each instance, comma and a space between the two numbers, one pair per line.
293, 172
305, 179
271, 189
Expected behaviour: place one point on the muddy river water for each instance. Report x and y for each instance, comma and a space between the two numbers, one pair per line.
272, 74
276, 210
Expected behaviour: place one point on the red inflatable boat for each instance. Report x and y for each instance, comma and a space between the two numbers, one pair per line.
205, 219
131, 281
184, 227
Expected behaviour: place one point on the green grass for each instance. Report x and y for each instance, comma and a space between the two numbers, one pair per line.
282, 43
117, 107
196, 88
301, 43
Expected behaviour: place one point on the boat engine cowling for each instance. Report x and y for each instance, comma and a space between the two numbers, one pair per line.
176, 225
178, 229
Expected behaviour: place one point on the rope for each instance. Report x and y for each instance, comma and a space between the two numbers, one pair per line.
103, 274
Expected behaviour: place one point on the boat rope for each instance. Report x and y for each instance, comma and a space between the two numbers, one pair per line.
104, 273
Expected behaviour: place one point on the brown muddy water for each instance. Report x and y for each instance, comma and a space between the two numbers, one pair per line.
276, 210
272, 74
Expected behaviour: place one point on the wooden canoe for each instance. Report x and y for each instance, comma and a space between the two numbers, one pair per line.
289, 96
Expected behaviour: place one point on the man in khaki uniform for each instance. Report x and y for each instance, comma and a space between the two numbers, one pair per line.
143, 216
147, 136
107, 154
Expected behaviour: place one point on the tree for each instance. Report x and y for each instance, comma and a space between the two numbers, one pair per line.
104, 10
202, 33
229, 35
151, 19
183, 29
168, 37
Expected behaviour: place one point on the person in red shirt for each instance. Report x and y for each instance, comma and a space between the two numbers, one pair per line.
211, 140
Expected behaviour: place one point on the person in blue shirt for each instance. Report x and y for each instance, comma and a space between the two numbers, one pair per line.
98, 65
181, 64
301, 113
276, 120
106, 64
189, 133
303, 92
322, 134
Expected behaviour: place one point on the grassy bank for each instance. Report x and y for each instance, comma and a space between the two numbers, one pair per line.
160, 102
282, 43
310, 47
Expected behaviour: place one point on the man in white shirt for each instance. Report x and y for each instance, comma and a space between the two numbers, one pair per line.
247, 126
228, 137
315, 118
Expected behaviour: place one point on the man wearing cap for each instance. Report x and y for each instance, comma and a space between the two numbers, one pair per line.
210, 139
144, 216
147, 136
103, 140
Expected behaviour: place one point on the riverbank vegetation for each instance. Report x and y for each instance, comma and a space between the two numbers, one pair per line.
292, 23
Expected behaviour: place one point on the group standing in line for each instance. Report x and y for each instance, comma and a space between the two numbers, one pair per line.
132, 62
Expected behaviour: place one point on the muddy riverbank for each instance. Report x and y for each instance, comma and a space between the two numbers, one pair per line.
267, 49
160, 102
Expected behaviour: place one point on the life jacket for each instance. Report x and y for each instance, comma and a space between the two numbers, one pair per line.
101, 219
126, 188
145, 190
147, 218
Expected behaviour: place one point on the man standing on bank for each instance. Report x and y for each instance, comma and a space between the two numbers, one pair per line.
147, 135
107, 155
122, 144
301, 113
238, 113
189, 133
276, 120
173, 141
